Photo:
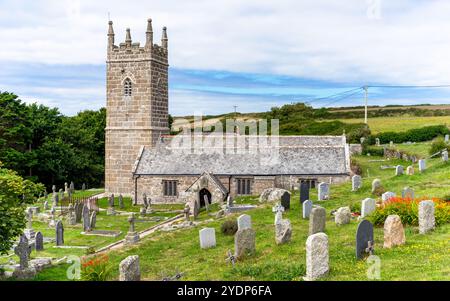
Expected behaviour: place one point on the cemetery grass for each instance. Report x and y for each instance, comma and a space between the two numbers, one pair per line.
423, 257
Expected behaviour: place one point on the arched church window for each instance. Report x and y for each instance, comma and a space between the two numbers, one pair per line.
127, 87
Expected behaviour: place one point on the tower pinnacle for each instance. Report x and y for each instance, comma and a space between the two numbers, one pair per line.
149, 35
164, 39
128, 38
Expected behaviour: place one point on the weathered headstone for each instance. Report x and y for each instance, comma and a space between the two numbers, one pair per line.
343, 216
286, 200
377, 141
93, 220
447, 138
59, 233
83, 187
72, 187
394, 234
375, 185
129, 269
207, 238
283, 232
408, 193
121, 205
426, 217
78, 212
387, 196
111, 200
61, 194
71, 215
46, 205
186, 211
399, 170
364, 239
66, 188
368, 206
317, 260
86, 219
317, 220
323, 191
23, 251
422, 165
304, 191
244, 243
278, 210
307, 207
244, 221
410, 170
229, 201
111, 210
132, 236
52, 222
356, 182
29, 231
39, 241
445, 156
144, 200
196, 209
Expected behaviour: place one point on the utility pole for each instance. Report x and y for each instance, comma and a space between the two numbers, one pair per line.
366, 89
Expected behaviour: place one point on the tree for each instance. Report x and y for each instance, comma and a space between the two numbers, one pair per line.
15, 194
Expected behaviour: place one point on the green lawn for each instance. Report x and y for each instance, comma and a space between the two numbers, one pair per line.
424, 257
400, 124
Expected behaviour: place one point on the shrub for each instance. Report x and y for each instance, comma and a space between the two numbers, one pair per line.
415, 135
229, 227
373, 151
96, 269
438, 145
408, 210
355, 167
379, 190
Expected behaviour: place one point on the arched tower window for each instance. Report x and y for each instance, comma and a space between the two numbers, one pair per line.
127, 87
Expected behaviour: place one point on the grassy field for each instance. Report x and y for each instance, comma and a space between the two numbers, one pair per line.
423, 257
399, 124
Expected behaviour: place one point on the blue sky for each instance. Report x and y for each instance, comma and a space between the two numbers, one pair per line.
253, 54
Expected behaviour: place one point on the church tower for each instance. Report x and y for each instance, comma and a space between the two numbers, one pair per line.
136, 104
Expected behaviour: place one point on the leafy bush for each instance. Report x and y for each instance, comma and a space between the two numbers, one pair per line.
355, 167
415, 135
96, 269
373, 151
379, 190
408, 210
438, 145
229, 227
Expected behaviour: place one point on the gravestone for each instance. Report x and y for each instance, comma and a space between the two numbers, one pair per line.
72, 187
278, 210
445, 156
399, 170
283, 232
317, 220
207, 238
229, 201
55, 200
323, 191
121, 205
196, 209
59, 233
387, 196
23, 251
356, 182
46, 205
142, 212
186, 211
78, 211
377, 141
343, 216
83, 187
408, 193
111, 200
364, 239
244, 221
66, 188
93, 220
307, 207
52, 222
61, 194
72, 216
391, 144
144, 200
132, 236
244, 243
394, 234
39, 242
286, 200
447, 138
304, 191
86, 219
317, 260
426, 217
375, 185
129, 269
367, 207
422, 165
410, 170
29, 231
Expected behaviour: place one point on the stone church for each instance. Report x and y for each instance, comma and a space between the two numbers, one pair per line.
141, 156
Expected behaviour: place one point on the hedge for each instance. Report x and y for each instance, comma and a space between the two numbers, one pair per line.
415, 135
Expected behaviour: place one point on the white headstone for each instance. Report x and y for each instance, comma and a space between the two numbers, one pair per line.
445, 156
207, 238
410, 170
447, 138
307, 207
244, 222
422, 165
323, 191
317, 261
387, 195
426, 216
375, 184
129, 269
367, 207
356, 182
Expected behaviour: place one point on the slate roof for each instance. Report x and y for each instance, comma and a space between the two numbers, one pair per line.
292, 155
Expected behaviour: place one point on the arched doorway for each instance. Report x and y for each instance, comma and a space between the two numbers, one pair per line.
202, 193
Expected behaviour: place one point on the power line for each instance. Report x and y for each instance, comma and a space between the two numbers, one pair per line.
408, 86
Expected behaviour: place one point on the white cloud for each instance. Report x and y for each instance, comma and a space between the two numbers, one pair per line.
330, 40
